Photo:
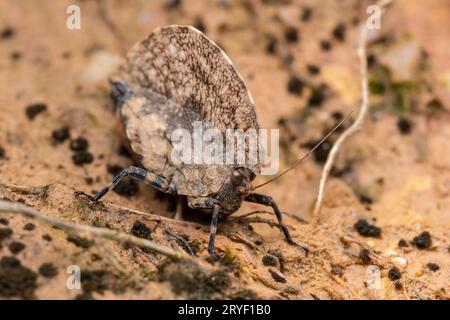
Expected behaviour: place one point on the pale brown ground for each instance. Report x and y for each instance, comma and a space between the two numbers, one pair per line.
63, 69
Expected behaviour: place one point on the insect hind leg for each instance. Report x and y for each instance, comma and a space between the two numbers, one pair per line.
268, 201
139, 174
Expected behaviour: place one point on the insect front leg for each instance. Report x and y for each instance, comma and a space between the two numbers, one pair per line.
208, 203
139, 174
268, 201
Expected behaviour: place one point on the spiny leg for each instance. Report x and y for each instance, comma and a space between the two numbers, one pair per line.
268, 201
139, 174
208, 203
213, 230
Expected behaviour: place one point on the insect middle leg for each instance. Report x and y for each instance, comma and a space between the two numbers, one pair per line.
268, 201
208, 203
139, 174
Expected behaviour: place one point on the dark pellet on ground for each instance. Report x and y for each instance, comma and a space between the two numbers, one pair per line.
82, 157
364, 255
313, 69
47, 237
398, 285
79, 144
5, 233
140, 230
402, 243
404, 125
114, 169
321, 152
48, 270
306, 14
124, 151
80, 241
277, 276
270, 260
366, 229
15, 247
127, 188
433, 266
16, 280
89, 180
325, 45
271, 46
339, 32
7, 33
318, 96
35, 109
29, 226
200, 25
394, 274
423, 240
371, 60
338, 116
4, 221
295, 85
365, 199
173, 4
60, 135
291, 35
2, 153
15, 55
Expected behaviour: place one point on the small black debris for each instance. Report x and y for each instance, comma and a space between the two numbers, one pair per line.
398, 285
337, 115
124, 151
306, 14
291, 34
423, 240
48, 270
5, 233
127, 188
4, 221
29, 226
402, 243
270, 260
433, 266
277, 276
366, 229
61, 135
318, 96
79, 144
16, 280
271, 46
2, 153
34, 109
173, 4
339, 32
82, 157
371, 60
15, 247
7, 33
114, 169
15, 55
47, 237
404, 125
89, 180
364, 255
364, 198
80, 241
10, 262
200, 25
313, 69
295, 85
325, 45
394, 274
140, 230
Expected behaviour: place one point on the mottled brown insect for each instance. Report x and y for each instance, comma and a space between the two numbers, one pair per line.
174, 77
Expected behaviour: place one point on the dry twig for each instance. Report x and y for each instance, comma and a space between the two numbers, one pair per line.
357, 124
108, 234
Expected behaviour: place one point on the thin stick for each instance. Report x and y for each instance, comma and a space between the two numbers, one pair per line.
109, 234
356, 126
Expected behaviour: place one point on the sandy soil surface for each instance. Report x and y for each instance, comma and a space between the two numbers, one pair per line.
384, 229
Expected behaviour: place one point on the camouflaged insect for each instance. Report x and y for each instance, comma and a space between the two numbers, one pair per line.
171, 79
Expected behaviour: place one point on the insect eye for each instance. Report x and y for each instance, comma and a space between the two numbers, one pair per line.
236, 178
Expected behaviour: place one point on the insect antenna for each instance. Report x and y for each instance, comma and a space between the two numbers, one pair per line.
307, 154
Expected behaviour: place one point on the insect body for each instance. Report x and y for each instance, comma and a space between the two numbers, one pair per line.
173, 79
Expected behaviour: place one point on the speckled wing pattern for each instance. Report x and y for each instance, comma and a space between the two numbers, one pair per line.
179, 76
